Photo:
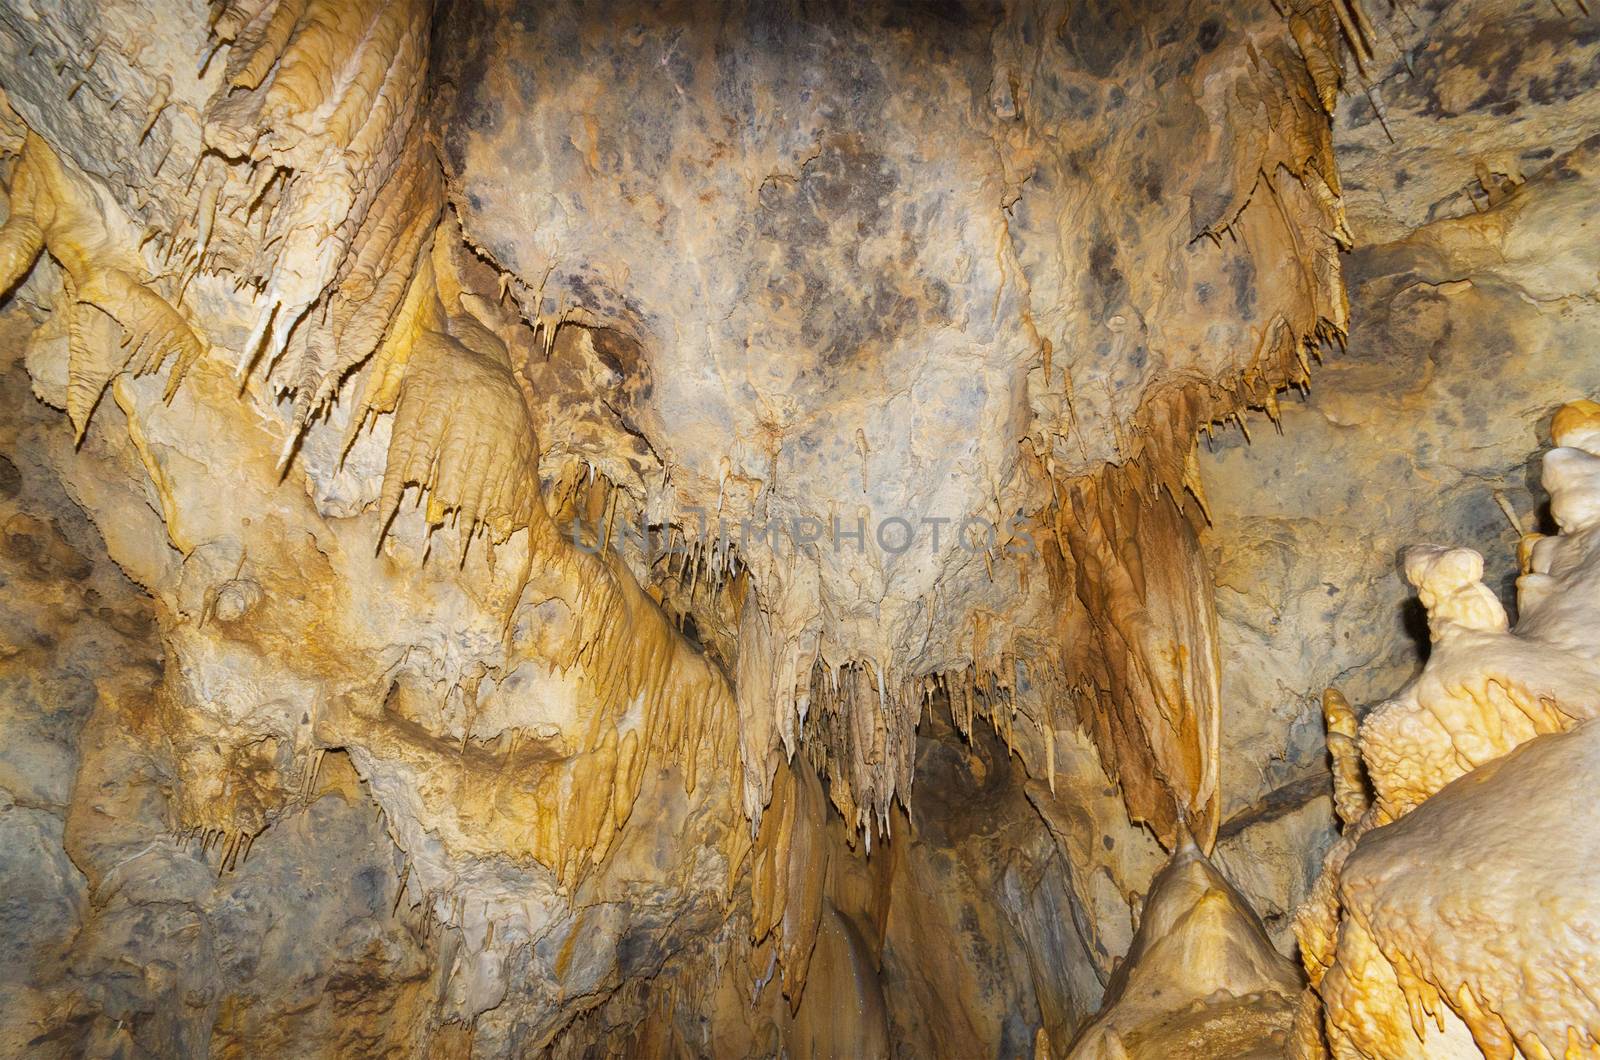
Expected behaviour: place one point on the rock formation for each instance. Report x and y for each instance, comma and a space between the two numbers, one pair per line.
1455, 916
1201, 978
743, 530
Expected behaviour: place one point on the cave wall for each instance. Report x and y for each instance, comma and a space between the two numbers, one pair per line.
118, 938
1472, 313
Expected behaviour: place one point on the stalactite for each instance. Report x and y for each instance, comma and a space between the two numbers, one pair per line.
323, 100
54, 210
461, 435
1136, 629
789, 866
647, 805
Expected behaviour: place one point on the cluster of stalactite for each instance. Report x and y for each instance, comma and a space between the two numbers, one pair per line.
1132, 652
115, 322
314, 187
315, 194
314, 147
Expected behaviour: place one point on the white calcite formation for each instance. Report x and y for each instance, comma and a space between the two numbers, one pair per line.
1486, 688
1458, 916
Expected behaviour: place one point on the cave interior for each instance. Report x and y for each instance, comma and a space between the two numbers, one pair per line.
754, 528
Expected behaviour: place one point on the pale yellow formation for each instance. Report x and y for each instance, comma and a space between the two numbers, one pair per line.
317, 137
1350, 797
462, 436
1471, 926
1462, 927
372, 282
55, 210
1486, 689
1576, 423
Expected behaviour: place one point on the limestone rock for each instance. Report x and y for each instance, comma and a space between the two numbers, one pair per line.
1446, 906
1201, 978
684, 529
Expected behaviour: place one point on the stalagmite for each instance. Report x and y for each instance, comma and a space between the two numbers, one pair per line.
1201, 979
1349, 782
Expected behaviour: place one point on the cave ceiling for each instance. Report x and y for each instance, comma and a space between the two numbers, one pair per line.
974, 276
1109, 228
